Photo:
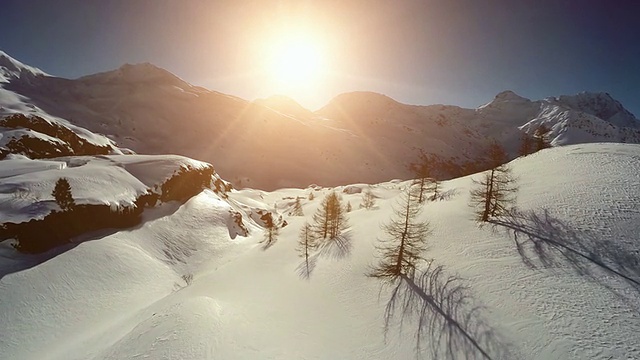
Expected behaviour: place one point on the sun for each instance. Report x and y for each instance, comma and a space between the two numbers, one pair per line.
295, 61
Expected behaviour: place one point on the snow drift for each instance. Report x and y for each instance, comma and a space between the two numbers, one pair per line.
558, 281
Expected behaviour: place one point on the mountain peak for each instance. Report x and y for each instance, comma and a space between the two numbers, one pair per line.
354, 98
132, 73
503, 99
509, 95
600, 104
11, 68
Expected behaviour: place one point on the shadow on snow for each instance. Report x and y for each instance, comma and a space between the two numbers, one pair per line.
335, 249
544, 240
445, 315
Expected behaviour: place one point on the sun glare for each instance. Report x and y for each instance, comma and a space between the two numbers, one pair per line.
295, 62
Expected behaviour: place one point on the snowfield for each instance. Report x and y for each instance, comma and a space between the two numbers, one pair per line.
560, 280
114, 180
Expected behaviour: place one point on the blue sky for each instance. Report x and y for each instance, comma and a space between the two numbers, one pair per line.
419, 52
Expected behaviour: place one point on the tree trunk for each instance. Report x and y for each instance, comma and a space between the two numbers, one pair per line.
404, 237
488, 197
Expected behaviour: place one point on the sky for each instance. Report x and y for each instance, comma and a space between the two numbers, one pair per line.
417, 52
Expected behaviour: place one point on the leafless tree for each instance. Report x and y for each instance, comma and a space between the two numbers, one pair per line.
401, 251
297, 208
541, 136
330, 219
306, 244
526, 144
368, 199
271, 230
422, 172
494, 194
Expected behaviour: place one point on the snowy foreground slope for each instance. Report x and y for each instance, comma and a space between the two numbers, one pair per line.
186, 285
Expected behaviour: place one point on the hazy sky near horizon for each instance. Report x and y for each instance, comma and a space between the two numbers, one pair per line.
419, 52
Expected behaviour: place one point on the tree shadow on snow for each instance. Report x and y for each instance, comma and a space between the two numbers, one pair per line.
544, 240
304, 269
445, 195
335, 249
447, 320
266, 244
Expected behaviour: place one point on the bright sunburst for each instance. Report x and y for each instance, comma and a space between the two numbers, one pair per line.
295, 61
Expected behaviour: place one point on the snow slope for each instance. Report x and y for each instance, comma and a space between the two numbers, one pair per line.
275, 143
130, 294
13, 71
114, 180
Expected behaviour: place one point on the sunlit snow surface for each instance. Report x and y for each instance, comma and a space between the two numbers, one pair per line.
26, 185
126, 295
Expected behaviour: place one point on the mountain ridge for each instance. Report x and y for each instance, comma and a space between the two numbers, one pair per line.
272, 143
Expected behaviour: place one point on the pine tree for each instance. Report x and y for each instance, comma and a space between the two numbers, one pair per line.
494, 194
306, 243
348, 207
311, 196
62, 194
368, 199
400, 253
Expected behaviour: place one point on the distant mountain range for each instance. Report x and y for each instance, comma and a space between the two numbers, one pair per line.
358, 137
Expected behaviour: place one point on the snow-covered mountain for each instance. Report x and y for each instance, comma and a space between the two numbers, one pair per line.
558, 281
147, 264
273, 143
11, 69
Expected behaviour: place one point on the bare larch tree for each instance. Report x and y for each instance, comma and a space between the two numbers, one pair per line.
495, 193
526, 144
330, 219
368, 199
422, 173
306, 244
401, 251
541, 136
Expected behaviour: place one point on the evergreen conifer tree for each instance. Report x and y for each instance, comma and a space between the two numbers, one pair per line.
62, 194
